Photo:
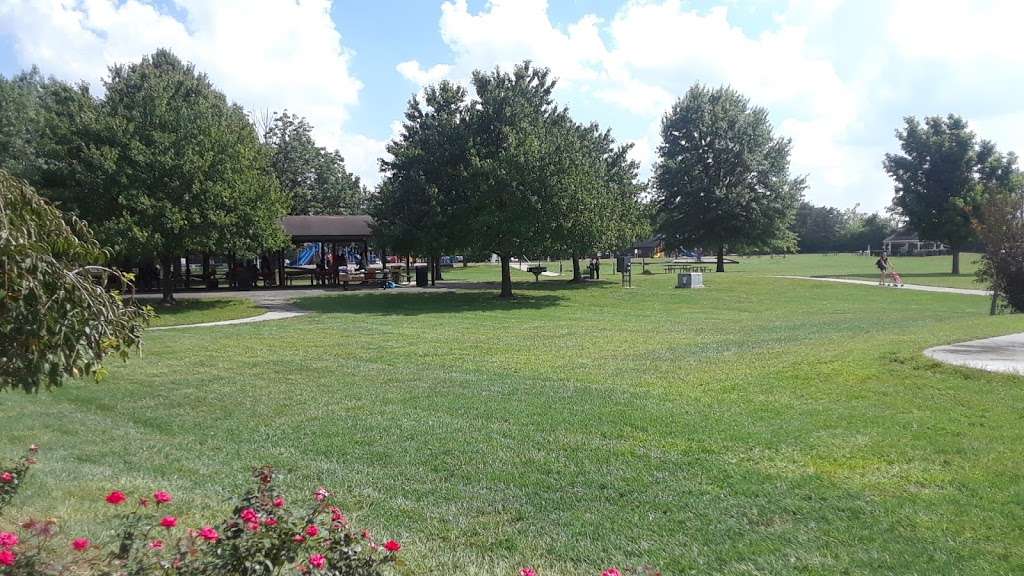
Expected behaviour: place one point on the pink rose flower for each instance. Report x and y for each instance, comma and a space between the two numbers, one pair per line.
317, 561
168, 522
209, 534
312, 531
337, 515
613, 571
7, 478
162, 497
321, 494
298, 538
157, 544
270, 522
116, 498
249, 515
8, 539
7, 558
392, 546
279, 502
252, 526
527, 572
80, 544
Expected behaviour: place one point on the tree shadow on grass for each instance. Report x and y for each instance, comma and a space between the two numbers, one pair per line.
421, 303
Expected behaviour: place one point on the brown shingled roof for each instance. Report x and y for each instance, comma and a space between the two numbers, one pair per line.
312, 228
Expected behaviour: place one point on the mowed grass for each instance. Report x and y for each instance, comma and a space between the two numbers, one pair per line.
200, 311
759, 426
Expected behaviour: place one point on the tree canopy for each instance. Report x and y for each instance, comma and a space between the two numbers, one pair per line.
722, 177
828, 229
313, 178
161, 166
57, 318
941, 176
509, 173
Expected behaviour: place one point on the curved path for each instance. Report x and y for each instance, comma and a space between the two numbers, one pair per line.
999, 354
268, 315
918, 287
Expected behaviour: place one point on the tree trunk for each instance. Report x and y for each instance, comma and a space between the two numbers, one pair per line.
206, 266
506, 276
437, 268
167, 265
576, 276
432, 269
995, 302
721, 259
956, 260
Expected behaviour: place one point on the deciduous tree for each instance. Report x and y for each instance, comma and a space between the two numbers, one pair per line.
57, 319
722, 176
941, 177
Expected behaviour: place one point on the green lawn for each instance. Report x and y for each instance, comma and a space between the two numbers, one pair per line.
759, 426
200, 311
930, 270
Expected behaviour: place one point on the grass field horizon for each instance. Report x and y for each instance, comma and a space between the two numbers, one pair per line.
759, 426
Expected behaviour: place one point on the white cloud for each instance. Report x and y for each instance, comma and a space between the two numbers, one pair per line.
412, 71
835, 75
265, 55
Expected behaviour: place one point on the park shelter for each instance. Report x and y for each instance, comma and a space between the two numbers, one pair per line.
906, 242
329, 231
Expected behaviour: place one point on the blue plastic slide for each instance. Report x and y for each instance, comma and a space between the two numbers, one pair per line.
307, 255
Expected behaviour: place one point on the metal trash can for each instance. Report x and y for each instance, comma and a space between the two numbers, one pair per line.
421, 276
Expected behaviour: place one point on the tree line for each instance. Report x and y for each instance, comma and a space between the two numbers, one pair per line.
163, 164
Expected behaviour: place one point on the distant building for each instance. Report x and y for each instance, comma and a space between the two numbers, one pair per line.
905, 242
653, 247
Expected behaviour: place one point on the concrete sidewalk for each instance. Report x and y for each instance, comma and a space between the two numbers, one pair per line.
999, 354
918, 287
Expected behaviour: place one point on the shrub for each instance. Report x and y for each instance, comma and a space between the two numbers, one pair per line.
11, 478
1001, 228
263, 536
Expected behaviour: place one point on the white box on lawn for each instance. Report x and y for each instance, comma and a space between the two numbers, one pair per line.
690, 280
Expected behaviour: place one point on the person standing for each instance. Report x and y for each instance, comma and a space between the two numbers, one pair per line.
597, 267
883, 267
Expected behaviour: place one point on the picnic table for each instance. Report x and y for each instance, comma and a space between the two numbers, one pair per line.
692, 267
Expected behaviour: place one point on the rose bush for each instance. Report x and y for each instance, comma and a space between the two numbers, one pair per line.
11, 478
262, 537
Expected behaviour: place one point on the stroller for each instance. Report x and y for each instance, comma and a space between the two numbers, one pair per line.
897, 280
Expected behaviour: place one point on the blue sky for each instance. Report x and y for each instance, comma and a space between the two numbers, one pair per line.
837, 76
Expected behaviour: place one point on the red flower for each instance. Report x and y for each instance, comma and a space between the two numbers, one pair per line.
392, 546
7, 478
613, 571
116, 497
312, 531
157, 544
321, 494
527, 572
168, 522
209, 534
337, 515
270, 521
249, 515
162, 497
279, 502
8, 539
317, 561
298, 538
7, 558
253, 526
80, 544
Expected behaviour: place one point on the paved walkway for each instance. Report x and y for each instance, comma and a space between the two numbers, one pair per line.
918, 287
269, 315
1000, 354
